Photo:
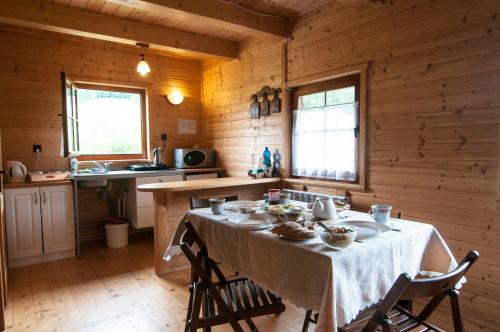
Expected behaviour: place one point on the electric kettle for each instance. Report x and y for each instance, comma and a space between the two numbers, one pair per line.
15, 171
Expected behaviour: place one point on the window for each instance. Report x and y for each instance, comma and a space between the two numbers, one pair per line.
103, 121
325, 134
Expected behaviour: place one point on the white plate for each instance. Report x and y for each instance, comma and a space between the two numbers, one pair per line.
366, 229
235, 205
253, 221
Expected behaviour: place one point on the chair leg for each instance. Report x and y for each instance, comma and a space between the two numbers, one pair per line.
189, 309
455, 311
251, 325
307, 320
195, 314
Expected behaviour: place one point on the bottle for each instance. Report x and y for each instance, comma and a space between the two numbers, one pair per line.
267, 160
276, 164
74, 164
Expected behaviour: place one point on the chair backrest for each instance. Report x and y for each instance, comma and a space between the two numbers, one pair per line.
200, 203
406, 288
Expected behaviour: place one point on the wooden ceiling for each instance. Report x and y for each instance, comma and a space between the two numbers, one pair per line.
203, 27
289, 9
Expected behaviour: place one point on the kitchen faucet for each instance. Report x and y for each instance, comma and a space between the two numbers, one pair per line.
104, 168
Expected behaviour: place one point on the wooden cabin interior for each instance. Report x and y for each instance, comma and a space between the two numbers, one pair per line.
123, 123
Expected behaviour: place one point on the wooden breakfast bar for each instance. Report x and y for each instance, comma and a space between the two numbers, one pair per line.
171, 202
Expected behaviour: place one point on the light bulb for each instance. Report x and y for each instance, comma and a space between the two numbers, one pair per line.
143, 67
175, 97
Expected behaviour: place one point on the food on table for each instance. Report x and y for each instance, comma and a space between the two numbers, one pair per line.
338, 236
339, 205
340, 229
280, 209
294, 231
342, 205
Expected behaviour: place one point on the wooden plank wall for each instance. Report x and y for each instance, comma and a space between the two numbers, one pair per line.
433, 110
30, 97
227, 88
30, 91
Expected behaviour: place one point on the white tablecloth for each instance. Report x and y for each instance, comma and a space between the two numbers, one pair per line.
337, 284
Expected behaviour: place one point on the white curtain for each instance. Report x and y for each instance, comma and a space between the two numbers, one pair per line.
323, 142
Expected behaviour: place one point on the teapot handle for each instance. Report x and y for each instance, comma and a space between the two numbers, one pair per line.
23, 170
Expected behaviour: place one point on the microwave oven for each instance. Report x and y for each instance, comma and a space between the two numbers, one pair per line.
193, 158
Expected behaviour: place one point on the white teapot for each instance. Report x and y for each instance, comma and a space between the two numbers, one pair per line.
324, 208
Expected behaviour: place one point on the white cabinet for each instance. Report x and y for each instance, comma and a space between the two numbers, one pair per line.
140, 204
39, 224
57, 219
23, 219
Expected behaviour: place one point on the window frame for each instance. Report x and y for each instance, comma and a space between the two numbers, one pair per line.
106, 86
339, 83
290, 86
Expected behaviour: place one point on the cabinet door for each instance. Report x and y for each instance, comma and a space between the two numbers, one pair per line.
24, 228
57, 219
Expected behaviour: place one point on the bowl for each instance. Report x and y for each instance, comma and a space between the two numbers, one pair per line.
294, 214
247, 209
338, 240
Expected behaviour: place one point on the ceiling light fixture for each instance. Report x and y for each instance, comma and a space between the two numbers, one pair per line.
143, 67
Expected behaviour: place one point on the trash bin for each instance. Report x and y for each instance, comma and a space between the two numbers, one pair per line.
116, 234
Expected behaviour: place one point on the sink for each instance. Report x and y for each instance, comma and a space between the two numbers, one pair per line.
97, 183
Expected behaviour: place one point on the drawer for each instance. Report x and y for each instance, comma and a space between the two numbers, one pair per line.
201, 176
156, 179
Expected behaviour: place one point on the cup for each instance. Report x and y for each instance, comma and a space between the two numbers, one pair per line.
274, 196
381, 213
285, 198
266, 198
217, 205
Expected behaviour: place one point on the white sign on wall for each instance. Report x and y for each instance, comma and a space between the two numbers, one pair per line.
187, 126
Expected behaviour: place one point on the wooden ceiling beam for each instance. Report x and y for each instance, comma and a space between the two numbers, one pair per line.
77, 22
219, 13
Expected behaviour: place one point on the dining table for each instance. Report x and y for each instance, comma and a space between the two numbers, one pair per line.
336, 283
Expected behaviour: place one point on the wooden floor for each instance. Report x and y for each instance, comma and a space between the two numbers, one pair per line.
110, 290
116, 290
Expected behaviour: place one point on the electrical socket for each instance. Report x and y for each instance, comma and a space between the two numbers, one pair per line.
163, 136
37, 147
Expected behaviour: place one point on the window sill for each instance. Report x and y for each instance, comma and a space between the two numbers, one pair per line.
326, 184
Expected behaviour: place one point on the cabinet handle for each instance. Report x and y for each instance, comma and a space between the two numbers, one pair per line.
36, 198
44, 198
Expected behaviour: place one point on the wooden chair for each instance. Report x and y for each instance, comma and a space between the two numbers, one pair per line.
200, 203
225, 301
389, 315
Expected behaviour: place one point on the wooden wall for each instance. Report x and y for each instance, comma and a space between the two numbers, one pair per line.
227, 87
433, 110
30, 90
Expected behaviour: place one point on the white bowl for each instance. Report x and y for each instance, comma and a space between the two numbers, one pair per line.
339, 240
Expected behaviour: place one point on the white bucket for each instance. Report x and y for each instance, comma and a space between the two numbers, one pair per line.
116, 235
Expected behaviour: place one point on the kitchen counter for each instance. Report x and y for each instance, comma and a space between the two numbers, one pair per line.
12, 185
205, 184
125, 174
171, 202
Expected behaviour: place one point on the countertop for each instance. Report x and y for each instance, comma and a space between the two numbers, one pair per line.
124, 174
204, 184
12, 185
121, 174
